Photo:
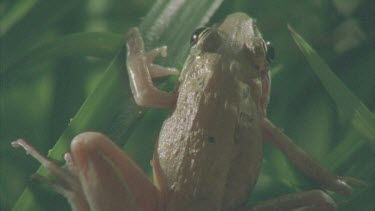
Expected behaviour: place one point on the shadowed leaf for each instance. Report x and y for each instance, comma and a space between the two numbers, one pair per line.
110, 108
350, 107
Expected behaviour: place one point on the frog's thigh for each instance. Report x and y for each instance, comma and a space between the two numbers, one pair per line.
110, 180
312, 200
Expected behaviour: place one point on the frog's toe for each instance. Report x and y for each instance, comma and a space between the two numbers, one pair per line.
353, 181
66, 183
157, 71
152, 54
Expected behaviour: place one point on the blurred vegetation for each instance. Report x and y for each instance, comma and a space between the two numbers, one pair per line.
54, 53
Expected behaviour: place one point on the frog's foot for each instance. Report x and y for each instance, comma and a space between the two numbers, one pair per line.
155, 70
67, 183
306, 164
342, 185
316, 200
141, 71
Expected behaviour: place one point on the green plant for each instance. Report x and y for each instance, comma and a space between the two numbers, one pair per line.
50, 73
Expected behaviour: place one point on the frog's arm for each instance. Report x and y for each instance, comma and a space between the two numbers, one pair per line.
305, 163
141, 71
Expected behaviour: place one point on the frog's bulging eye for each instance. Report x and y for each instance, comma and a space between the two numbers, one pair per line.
270, 55
195, 36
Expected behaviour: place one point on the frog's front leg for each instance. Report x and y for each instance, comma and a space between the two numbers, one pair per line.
141, 70
103, 177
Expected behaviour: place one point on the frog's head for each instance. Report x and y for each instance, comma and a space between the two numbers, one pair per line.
238, 30
237, 37
238, 49
243, 39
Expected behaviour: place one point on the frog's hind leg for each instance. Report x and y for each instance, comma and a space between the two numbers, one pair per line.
316, 200
99, 176
141, 71
307, 164
67, 185
110, 180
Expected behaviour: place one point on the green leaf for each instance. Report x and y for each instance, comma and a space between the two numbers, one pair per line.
110, 108
36, 24
364, 199
97, 44
350, 107
18, 11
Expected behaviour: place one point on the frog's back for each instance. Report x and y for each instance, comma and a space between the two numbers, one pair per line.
210, 148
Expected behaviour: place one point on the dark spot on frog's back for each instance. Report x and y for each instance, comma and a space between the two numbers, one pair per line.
236, 137
246, 93
255, 66
211, 139
201, 82
246, 117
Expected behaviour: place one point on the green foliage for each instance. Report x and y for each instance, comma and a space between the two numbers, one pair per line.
349, 106
62, 71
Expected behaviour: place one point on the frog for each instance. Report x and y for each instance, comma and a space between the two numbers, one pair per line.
210, 148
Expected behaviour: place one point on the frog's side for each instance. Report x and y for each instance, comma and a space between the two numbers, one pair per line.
210, 148
209, 151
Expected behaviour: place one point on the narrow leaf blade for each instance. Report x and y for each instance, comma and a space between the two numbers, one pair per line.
350, 106
110, 108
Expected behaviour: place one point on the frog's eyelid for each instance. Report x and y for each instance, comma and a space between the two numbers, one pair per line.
210, 40
196, 36
204, 33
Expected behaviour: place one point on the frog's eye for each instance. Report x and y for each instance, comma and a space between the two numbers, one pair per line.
270, 55
195, 36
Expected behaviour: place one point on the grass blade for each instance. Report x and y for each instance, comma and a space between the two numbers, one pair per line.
109, 108
80, 44
350, 107
19, 10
